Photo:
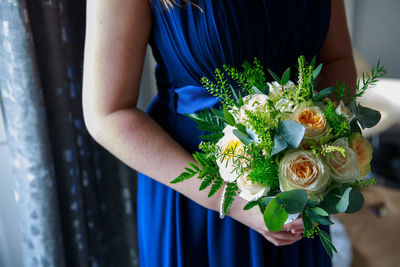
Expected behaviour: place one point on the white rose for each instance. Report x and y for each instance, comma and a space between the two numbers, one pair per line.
230, 146
303, 170
276, 90
345, 111
284, 105
343, 168
251, 103
248, 190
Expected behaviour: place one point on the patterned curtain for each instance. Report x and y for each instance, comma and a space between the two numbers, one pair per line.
75, 199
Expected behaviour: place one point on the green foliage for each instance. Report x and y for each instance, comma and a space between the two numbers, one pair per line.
255, 75
220, 89
367, 117
275, 216
250, 205
263, 121
329, 149
344, 92
305, 79
240, 79
264, 171
364, 183
293, 201
218, 182
229, 197
288, 134
338, 123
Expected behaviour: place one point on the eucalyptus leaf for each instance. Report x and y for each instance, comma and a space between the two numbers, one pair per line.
317, 71
275, 216
285, 77
330, 201
245, 139
367, 117
276, 78
320, 211
257, 91
354, 127
313, 61
228, 117
356, 201
241, 128
343, 203
289, 132
266, 200
293, 201
323, 93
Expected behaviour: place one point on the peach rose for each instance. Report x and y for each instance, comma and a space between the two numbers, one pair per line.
363, 150
344, 168
313, 119
303, 170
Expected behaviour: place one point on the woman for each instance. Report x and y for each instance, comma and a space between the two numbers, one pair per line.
177, 224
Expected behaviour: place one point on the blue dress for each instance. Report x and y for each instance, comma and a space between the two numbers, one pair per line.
187, 45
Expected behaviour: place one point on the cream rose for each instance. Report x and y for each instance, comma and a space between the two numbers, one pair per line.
345, 111
276, 90
248, 190
303, 170
230, 146
363, 150
343, 168
313, 119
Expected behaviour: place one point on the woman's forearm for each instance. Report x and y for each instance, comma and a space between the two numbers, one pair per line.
137, 140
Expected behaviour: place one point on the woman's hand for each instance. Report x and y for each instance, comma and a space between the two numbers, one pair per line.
289, 234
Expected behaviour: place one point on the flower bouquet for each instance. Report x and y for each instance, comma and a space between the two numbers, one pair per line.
285, 147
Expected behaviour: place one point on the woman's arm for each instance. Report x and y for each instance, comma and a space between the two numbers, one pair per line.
116, 38
336, 53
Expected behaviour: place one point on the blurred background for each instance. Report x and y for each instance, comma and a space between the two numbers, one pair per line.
86, 198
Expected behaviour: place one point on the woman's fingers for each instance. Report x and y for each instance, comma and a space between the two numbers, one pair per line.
296, 224
282, 242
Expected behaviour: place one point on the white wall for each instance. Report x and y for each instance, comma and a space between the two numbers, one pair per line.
376, 32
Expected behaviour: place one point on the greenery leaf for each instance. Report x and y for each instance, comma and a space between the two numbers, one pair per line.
230, 195
276, 78
250, 205
275, 216
182, 177
356, 201
228, 117
319, 211
323, 93
285, 77
256, 90
290, 132
317, 71
218, 182
293, 201
206, 182
367, 117
245, 139
241, 128
214, 137
343, 203
327, 243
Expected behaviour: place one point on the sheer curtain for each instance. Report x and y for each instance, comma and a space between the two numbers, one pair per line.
76, 201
